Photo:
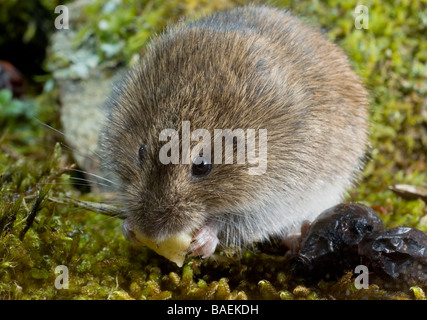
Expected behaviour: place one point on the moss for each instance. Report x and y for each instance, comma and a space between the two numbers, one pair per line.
37, 235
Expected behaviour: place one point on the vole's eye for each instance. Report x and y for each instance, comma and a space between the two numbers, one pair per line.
201, 166
142, 152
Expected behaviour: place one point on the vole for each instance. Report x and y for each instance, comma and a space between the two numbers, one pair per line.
251, 67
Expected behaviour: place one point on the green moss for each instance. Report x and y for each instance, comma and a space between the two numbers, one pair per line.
37, 235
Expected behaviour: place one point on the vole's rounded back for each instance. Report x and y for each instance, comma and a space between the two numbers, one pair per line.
250, 68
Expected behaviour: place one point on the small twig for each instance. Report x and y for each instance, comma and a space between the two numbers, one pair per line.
409, 192
34, 210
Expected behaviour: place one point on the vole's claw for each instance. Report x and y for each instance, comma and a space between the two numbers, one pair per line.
204, 243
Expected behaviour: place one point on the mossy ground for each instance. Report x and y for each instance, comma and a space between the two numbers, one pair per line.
37, 235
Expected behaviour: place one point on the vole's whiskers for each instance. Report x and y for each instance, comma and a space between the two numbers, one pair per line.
95, 158
96, 176
64, 184
50, 127
88, 182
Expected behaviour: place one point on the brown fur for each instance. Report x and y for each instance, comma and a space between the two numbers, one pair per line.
250, 67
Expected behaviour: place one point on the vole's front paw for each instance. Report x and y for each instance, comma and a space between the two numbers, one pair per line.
204, 242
